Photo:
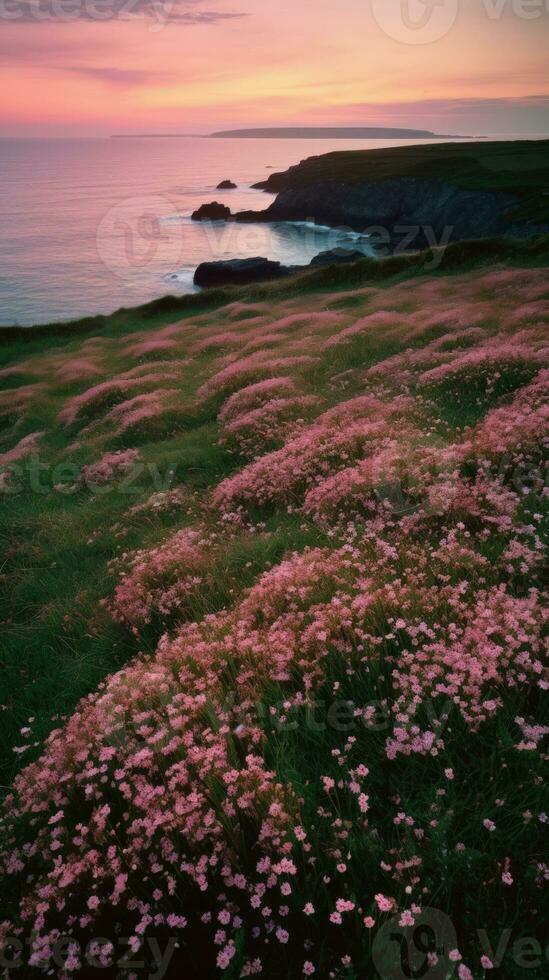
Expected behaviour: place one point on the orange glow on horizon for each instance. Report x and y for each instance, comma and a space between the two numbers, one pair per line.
323, 62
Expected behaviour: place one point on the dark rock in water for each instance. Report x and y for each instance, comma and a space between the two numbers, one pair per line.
240, 271
226, 185
336, 255
212, 212
233, 272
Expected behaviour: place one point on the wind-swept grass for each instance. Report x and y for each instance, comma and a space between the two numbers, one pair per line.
273, 624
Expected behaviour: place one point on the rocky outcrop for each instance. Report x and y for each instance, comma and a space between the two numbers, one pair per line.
391, 204
226, 185
234, 272
212, 212
439, 193
336, 256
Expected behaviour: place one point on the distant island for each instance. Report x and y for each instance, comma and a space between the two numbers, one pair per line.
303, 132
329, 132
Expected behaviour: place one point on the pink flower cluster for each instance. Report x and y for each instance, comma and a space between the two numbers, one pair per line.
254, 396
27, 445
247, 370
520, 428
112, 466
107, 393
334, 438
488, 364
146, 749
258, 429
77, 368
133, 412
161, 581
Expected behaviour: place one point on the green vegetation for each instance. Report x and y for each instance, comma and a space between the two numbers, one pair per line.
304, 521
57, 643
518, 167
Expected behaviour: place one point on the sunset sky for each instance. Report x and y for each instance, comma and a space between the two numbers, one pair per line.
197, 65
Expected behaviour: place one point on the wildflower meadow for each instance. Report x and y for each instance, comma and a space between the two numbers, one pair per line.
275, 620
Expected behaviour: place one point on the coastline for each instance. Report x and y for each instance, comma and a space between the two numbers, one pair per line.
456, 257
73, 263
404, 199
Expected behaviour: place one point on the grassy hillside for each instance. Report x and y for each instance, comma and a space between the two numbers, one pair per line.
518, 167
286, 543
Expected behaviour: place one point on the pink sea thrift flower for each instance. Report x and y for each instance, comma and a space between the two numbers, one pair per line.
464, 972
384, 903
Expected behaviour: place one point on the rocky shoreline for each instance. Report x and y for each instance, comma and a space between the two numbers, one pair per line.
365, 193
394, 204
236, 272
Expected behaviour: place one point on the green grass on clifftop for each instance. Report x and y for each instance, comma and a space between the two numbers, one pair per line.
518, 167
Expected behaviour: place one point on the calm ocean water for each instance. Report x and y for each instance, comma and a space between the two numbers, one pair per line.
87, 226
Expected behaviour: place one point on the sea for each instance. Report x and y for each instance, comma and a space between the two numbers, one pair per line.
90, 225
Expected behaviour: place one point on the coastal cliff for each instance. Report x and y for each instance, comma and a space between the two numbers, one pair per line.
398, 203
473, 190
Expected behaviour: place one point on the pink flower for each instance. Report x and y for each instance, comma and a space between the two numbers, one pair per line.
384, 904
486, 963
406, 919
225, 956
176, 921
343, 905
308, 968
363, 803
464, 972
